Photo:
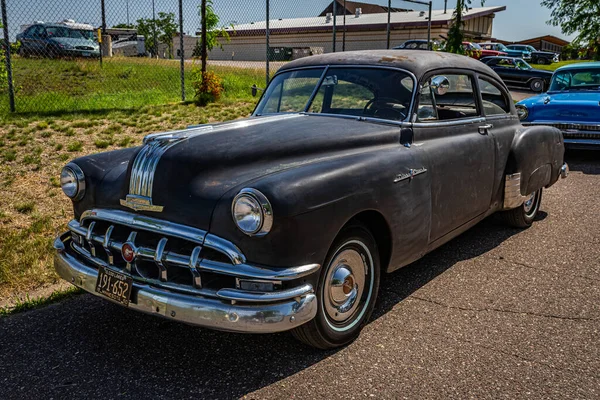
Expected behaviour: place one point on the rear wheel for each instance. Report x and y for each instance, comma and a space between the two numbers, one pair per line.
523, 216
543, 61
537, 85
347, 290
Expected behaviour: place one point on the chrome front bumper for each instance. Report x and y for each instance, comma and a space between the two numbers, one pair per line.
211, 313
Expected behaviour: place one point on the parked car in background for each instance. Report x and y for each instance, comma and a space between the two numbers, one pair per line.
417, 44
572, 104
56, 40
525, 55
537, 57
515, 72
475, 51
352, 165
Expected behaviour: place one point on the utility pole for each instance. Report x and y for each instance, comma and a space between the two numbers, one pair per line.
127, 10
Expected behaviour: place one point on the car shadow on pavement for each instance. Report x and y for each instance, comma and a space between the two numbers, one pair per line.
478, 240
88, 347
586, 161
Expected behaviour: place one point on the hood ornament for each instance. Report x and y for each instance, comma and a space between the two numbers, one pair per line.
142, 173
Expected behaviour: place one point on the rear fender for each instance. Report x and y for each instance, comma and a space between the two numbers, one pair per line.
537, 153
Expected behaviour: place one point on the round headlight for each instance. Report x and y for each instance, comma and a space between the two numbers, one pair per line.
252, 212
522, 111
72, 181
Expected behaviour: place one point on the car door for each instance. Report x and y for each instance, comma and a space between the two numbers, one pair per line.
28, 40
495, 100
451, 131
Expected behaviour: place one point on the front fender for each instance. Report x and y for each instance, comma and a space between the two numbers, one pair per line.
537, 152
313, 202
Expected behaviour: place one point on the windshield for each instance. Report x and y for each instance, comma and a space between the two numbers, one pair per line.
522, 64
60, 32
87, 34
475, 46
501, 47
576, 79
361, 92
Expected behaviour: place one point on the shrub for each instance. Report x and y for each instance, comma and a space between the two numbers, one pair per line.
208, 87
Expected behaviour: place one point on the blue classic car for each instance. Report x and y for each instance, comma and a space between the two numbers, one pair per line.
572, 104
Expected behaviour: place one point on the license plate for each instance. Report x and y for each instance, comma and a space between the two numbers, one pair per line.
86, 54
114, 285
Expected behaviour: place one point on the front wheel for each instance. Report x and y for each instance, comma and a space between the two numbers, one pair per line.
347, 291
523, 216
543, 61
537, 85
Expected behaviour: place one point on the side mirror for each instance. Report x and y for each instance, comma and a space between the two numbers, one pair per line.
255, 90
440, 85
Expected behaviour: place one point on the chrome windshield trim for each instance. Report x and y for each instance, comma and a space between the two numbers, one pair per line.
327, 67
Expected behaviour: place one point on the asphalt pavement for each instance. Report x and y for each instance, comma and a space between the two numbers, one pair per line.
495, 313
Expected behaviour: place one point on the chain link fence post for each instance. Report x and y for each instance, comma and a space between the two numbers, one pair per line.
11, 89
267, 42
181, 51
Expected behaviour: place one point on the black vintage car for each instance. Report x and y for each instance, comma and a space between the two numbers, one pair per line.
352, 165
515, 72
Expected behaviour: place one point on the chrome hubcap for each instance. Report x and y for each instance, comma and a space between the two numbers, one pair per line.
344, 285
529, 203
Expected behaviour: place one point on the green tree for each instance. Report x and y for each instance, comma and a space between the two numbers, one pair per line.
163, 29
577, 16
213, 32
123, 25
455, 33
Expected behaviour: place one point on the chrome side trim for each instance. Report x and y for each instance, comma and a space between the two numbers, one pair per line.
512, 191
195, 310
410, 174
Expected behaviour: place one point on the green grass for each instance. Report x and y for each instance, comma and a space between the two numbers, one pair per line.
49, 86
555, 66
28, 303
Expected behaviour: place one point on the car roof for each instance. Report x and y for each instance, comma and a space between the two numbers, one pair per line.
580, 66
418, 62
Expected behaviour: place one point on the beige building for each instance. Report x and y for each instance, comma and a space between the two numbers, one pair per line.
304, 36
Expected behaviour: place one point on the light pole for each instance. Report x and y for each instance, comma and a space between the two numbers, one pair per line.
127, 10
154, 30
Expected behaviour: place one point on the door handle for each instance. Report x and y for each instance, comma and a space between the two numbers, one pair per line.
483, 129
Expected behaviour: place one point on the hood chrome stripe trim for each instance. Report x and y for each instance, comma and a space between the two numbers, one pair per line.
156, 145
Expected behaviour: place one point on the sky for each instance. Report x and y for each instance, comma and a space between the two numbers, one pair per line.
522, 19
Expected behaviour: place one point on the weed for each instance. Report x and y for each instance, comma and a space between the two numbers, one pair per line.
101, 144
58, 147
74, 146
46, 134
64, 157
26, 207
41, 125
9, 155
54, 181
28, 303
124, 142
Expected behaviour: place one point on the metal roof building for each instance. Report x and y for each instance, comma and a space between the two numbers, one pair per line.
304, 36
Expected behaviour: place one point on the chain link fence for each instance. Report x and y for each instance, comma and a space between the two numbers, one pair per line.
79, 55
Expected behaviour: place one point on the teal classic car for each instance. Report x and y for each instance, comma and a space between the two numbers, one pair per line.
572, 104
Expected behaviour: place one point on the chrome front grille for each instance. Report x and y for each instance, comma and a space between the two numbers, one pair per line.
577, 127
177, 257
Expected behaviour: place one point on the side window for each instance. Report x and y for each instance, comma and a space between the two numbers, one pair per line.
494, 101
450, 97
426, 110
